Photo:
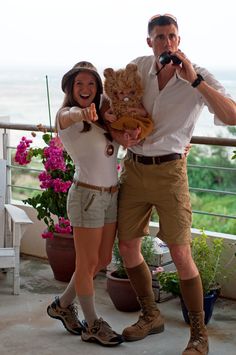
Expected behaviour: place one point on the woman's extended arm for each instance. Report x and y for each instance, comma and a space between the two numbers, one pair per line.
69, 115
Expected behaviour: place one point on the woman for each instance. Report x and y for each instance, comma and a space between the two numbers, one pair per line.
92, 200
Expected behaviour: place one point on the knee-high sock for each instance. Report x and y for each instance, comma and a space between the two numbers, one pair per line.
69, 294
141, 280
87, 304
192, 293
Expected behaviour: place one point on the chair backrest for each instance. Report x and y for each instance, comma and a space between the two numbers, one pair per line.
13, 222
2, 200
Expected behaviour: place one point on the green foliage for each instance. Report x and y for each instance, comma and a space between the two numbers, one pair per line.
207, 253
208, 256
225, 205
147, 252
205, 177
232, 130
48, 203
169, 282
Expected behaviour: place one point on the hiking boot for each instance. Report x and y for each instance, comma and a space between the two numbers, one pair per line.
147, 324
198, 343
68, 316
102, 334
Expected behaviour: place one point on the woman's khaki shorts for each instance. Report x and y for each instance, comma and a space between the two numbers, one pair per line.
164, 186
91, 208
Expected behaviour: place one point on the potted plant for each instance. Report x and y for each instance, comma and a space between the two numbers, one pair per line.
55, 181
208, 256
119, 288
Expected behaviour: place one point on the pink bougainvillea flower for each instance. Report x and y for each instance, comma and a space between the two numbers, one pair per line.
22, 150
63, 226
60, 185
54, 158
46, 235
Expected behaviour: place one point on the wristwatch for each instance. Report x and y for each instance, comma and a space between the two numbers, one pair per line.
197, 81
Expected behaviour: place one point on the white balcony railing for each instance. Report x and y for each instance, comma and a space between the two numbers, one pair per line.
32, 244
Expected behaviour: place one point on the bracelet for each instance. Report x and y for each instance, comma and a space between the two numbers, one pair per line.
197, 81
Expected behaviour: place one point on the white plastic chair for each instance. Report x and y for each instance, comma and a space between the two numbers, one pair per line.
13, 222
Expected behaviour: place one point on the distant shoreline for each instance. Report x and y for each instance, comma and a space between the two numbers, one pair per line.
24, 98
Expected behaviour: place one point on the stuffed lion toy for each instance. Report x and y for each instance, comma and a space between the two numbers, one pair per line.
124, 89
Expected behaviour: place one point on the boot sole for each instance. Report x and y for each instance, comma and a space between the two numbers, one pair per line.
97, 341
186, 351
63, 322
152, 331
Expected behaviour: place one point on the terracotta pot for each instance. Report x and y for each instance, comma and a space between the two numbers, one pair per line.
121, 293
61, 256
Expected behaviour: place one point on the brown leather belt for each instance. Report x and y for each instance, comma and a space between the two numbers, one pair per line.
153, 160
110, 189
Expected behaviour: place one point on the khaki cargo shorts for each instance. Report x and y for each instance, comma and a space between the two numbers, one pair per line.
90, 208
163, 186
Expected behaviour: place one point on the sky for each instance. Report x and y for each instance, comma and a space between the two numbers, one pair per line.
48, 33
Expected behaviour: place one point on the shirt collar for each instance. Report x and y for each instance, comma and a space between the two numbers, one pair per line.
153, 68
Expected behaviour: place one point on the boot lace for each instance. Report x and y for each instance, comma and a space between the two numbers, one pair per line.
143, 320
103, 327
196, 337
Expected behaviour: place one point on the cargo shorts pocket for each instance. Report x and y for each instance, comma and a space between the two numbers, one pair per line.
183, 209
89, 202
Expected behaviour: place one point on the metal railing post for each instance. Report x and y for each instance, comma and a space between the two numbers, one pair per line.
7, 157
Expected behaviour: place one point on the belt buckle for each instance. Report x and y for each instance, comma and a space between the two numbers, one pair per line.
136, 158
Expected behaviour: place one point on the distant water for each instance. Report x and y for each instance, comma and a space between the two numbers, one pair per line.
23, 97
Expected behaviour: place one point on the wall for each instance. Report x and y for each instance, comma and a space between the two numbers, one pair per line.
32, 243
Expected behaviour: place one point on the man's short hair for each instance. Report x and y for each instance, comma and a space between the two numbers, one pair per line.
161, 20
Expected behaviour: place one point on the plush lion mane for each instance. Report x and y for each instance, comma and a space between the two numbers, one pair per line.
126, 83
123, 81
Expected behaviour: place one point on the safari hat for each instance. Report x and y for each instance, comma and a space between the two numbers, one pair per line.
80, 67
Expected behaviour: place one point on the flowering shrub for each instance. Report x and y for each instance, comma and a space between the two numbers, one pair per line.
212, 257
55, 182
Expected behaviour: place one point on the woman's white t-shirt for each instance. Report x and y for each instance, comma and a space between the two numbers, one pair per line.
88, 150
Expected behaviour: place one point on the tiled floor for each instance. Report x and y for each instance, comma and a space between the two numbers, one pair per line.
25, 328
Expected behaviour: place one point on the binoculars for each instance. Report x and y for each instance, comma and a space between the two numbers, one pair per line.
167, 57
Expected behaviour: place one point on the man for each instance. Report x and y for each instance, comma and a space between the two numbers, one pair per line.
155, 174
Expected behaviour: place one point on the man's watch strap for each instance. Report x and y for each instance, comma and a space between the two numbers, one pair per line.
197, 81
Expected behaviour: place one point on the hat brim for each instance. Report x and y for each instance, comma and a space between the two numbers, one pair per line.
75, 71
